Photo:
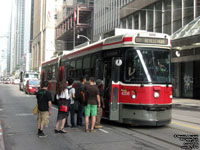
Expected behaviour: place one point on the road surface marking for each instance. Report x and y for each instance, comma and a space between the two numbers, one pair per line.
189, 126
103, 130
24, 114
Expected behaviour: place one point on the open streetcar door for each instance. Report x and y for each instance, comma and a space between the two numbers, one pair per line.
115, 77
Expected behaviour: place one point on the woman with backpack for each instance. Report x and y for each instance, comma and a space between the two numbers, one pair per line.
63, 105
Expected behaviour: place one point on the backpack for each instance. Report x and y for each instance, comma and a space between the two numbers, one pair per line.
69, 89
81, 95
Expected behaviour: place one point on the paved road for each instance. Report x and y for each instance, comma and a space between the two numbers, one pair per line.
20, 129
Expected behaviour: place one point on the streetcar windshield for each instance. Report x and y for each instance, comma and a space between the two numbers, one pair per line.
147, 65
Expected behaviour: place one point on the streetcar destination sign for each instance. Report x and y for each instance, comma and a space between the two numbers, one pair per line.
148, 40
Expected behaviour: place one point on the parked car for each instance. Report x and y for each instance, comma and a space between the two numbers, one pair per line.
32, 86
7, 81
16, 81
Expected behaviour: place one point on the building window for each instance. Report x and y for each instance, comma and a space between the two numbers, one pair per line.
143, 19
150, 18
136, 21
129, 22
124, 23
167, 17
177, 22
158, 15
188, 11
198, 8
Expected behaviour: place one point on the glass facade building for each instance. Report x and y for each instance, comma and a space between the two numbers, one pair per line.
164, 16
181, 20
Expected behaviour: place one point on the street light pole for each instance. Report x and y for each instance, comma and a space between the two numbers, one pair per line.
78, 36
74, 42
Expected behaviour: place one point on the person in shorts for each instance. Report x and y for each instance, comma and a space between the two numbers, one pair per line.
91, 107
44, 108
99, 84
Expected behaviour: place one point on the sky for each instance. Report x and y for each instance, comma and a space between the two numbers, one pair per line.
5, 11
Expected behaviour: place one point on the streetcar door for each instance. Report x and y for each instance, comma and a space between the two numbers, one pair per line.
115, 77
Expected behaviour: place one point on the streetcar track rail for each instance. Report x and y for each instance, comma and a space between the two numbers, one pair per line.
149, 135
186, 121
119, 127
177, 128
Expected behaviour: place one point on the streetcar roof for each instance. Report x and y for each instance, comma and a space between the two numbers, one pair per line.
127, 39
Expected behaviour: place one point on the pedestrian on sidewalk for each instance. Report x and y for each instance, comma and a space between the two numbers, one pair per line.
63, 100
81, 96
71, 90
44, 108
91, 107
99, 84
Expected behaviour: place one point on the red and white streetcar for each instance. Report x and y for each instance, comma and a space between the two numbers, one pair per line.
136, 70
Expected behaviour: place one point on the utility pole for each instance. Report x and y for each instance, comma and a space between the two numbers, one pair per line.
74, 42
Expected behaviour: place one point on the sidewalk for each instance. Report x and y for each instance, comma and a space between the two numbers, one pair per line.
182, 102
2, 146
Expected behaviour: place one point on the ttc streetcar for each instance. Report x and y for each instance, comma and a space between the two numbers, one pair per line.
136, 71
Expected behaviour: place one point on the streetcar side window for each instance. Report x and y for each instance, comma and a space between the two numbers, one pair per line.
49, 73
86, 66
53, 72
78, 68
93, 65
71, 69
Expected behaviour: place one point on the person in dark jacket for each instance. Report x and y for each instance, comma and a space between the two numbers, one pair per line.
80, 101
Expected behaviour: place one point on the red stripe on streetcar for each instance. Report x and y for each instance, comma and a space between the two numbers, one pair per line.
86, 49
125, 39
50, 61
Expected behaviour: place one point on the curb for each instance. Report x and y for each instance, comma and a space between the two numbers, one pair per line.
186, 106
2, 146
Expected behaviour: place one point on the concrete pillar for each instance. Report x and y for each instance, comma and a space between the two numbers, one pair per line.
177, 82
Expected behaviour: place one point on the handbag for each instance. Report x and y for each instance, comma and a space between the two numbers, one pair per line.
35, 110
63, 108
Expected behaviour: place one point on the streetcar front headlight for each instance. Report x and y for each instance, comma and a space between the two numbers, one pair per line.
156, 94
133, 96
171, 96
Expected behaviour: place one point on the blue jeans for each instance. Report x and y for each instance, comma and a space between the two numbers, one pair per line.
80, 114
71, 112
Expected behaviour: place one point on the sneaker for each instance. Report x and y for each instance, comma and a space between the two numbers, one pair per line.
39, 131
86, 130
42, 135
92, 130
62, 131
56, 131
